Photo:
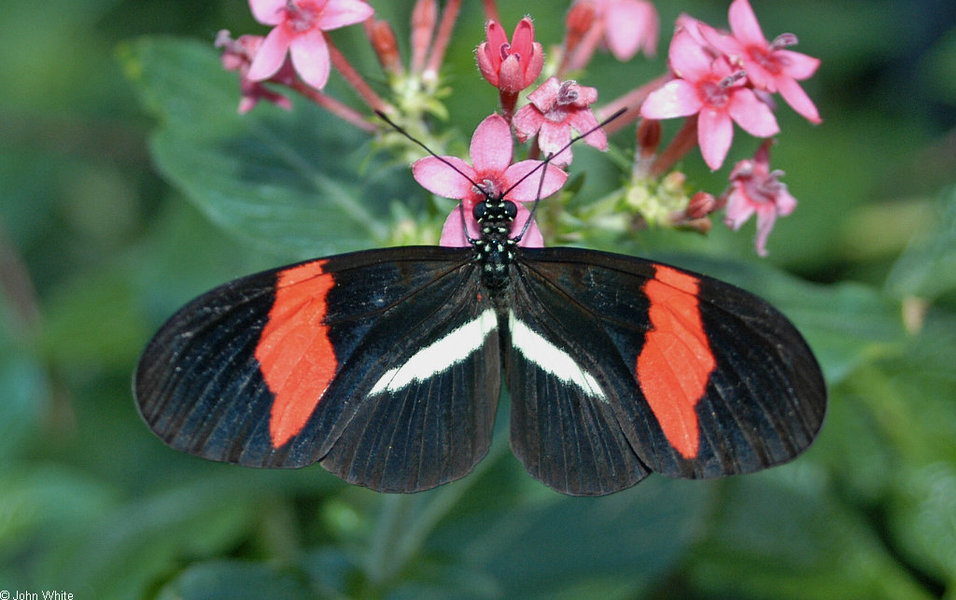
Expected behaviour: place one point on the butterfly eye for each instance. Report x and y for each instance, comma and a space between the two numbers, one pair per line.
480, 210
511, 210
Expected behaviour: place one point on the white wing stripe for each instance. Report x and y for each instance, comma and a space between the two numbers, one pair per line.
551, 359
441, 355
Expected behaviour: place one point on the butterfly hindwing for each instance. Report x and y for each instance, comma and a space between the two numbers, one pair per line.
280, 369
563, 381
703, 379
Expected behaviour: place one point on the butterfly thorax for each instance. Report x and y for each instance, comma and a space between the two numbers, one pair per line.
495, 248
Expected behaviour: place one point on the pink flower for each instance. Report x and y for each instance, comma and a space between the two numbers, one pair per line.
237, 56
625, 26
629, 26
712, 89
491, 154
554, 109
510, 67
768, 65
299, 27
757, 189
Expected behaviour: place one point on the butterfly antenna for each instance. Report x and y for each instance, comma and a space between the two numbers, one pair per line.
544, 170
417, 142
534, 207
446, 162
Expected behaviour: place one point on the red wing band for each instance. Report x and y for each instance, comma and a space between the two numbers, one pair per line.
295, 355
676, 362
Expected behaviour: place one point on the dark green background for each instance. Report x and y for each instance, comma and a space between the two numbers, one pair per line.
128, 184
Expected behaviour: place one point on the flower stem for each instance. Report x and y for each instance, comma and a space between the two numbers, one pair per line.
353, 78
424, 16
337, 108
437, 55
683, 142
631, 101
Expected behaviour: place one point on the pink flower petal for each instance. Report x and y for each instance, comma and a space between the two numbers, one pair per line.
785, 202
452, 233
738, 210
496, 36
715, 131
798, 99
676, 98
630, 24
310, 56
491, 145
523, 38
797, 65
527, 190
752, 115
439, 178
583, 121
534, 65
744, 24
546, 95
687, 58
532, 238
271, 55
511, 75
486, 63
765, 221
722, 42
268, 12
339, 13
527, 121
552, 137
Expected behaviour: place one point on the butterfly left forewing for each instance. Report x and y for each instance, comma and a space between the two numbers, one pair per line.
290, 366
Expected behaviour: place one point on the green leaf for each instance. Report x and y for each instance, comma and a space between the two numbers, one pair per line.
25, 392
924, 518
927, 268
780, 534
554, 545
234, 580
292, 180
80, 315
119, 552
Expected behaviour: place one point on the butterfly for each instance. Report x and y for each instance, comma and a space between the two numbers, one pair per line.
385, 366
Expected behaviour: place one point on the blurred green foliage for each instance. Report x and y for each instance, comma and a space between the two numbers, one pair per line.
129, 184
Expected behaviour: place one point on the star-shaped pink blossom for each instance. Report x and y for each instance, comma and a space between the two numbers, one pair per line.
553, 110
298, 27
712, 89
511, 67
757, 189
768, 65
491, 154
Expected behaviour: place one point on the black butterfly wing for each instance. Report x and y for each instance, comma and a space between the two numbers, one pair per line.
691, 377
383, 365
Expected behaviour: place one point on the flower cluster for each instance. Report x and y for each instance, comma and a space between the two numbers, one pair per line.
716, 78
